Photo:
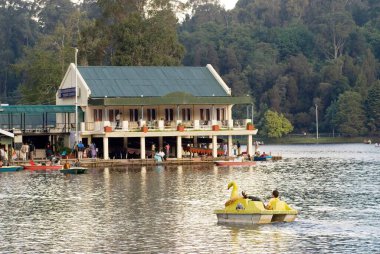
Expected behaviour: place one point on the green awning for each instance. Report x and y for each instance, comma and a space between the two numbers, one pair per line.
171, 99
38, 109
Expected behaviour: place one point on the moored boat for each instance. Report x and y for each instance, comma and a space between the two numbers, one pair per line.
74, 170
10, 168
262, 158
43, 167
240, 210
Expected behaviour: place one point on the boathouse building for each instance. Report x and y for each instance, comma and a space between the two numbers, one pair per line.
137, 109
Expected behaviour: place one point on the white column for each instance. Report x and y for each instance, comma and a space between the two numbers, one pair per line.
142, 147
179, 147
214, 146
249, 145
105, 148
230, 145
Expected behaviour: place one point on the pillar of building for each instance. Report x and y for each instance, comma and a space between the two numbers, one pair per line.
105, 148
249, 145
89, 140
160, 143
142, 148
195, 139
229, 145
125, 148
214, 146
179, 147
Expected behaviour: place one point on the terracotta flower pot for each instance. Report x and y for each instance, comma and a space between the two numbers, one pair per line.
180, 128
107, 128
250, 127
144, 129
215, 127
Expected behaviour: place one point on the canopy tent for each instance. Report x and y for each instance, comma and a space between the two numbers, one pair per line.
7, 133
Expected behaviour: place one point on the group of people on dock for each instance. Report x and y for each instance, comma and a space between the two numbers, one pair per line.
81, 151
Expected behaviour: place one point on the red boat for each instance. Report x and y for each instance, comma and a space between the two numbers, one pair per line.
235, 163
43, 167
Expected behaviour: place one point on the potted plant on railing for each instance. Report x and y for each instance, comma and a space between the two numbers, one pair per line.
250, 126
180, 127
107, 129
215, 127
144, 128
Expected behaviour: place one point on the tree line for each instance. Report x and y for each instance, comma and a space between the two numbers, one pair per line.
291, 56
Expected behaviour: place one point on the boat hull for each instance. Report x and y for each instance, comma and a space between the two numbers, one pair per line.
10, 168
235, 163
42, 167
254, 218
74, 170
266, 158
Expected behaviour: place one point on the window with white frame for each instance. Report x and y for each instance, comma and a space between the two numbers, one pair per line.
205, 114
220, 114
98, 115
186, 114
133, 115
169, 114
151, 114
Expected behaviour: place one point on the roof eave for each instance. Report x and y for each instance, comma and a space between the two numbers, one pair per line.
143, 101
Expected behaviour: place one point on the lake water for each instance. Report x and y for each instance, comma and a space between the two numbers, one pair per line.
170, 209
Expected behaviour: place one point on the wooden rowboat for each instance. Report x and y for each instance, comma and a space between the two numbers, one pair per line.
43, 167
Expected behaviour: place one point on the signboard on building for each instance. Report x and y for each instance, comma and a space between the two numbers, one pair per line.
66, 92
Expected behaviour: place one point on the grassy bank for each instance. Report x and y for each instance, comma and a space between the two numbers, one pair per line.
310, 140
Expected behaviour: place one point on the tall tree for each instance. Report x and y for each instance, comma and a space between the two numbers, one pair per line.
350, 115
373, 107
17, 30
276, 125
137, 32
45, 64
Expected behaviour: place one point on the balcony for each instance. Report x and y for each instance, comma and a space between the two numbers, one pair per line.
161, 125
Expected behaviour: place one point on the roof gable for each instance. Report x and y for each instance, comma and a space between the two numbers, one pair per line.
126, 81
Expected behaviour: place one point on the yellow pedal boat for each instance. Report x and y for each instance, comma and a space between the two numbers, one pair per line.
240, 210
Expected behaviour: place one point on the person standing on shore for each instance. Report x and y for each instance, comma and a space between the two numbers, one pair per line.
32, 150
80, 150
234, 148
24, 151
238, 147
118, 116
167, 148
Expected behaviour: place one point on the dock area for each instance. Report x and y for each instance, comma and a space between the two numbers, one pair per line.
97, 162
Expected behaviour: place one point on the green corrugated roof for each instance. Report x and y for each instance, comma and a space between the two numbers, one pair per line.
126, 81
37, 109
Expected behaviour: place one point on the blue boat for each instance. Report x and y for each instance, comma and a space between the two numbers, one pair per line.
74, 170
264, 158
10, 168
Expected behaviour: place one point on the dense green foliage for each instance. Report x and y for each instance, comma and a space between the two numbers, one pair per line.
289, 55
294, 54
275, 125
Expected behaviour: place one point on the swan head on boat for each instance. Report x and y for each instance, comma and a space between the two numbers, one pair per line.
234, 193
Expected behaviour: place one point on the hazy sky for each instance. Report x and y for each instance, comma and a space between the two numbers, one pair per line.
229, 4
